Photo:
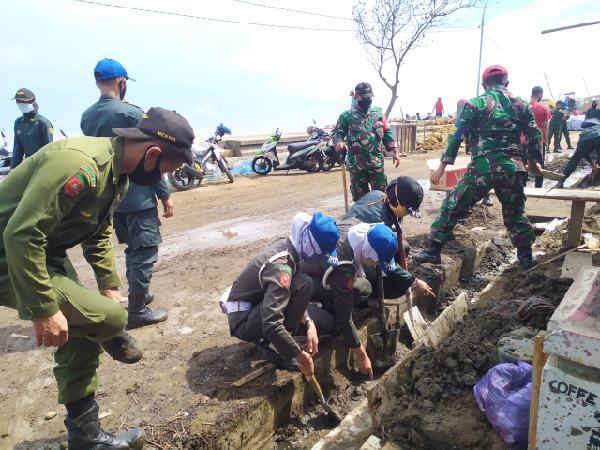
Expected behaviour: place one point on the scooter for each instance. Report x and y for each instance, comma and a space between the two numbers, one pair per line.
208, 161
301, 155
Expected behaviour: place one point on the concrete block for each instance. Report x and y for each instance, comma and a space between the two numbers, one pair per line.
355, 428
373, 443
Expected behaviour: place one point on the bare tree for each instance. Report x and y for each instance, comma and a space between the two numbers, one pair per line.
389, 29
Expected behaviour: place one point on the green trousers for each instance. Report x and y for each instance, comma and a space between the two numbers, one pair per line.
362, 181
92, 319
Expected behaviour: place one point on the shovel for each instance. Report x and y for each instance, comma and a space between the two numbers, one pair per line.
382, 347
327, 407
551, 175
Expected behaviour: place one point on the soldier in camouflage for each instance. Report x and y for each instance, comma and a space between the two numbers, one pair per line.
494, 122
363, 130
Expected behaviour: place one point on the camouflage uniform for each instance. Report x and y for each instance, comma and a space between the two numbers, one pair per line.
493, 122
364, 134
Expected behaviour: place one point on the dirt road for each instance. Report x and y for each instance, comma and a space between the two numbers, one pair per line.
191, 356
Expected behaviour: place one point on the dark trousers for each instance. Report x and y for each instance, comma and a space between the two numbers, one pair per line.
141, 232
565, 133
584, 150
539, 180
555, 132
248, 325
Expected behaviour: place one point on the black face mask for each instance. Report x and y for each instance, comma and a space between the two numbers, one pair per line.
122, 89
143, 178
365, 104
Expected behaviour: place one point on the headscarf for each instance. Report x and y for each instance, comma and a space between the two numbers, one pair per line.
301, 237
357, 236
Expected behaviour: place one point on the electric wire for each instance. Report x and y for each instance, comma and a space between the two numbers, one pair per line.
293, 10
211, 19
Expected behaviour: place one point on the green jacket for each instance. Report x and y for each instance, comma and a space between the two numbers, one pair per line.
494, 123
364, 134
60, 197
32, 132
100, 118
558, 116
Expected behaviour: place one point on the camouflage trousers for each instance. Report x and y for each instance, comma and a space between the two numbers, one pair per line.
362, 181
471, 188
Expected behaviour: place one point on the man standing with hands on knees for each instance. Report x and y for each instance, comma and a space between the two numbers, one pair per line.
136, 219
63, 196
494, 122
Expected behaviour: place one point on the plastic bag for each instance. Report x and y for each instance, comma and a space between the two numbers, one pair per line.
504, 395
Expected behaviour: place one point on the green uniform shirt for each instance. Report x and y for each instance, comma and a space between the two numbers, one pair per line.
60, 197
32, 132
494, 123
100, 118
364, 134
558, 116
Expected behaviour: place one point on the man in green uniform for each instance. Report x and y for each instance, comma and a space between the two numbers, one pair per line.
61, 197
565, 130
494, 122
136, 219
364, 129
555, 127
32, 130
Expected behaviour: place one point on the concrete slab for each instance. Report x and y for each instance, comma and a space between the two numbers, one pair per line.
574, 262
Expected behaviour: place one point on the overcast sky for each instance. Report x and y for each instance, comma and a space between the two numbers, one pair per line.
255, 78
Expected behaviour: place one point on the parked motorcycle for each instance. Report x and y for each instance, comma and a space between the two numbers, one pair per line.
301, 155
208, 161
5, 155
330, 156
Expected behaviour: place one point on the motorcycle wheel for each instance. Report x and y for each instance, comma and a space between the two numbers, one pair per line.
261, 165
314, 165
328, 164
225, 170
180, 180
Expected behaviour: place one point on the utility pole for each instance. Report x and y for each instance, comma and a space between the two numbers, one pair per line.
481, 47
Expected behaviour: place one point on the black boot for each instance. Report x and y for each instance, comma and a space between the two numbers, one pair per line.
431, 254
85, 433
141, 315
561, 183
487, 201
149, 298
123, 348
525, 257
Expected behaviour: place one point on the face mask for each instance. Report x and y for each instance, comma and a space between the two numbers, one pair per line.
26, 108
122, 89
365, 104
143, 178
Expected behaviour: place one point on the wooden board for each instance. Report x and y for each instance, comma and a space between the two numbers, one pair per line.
585, 195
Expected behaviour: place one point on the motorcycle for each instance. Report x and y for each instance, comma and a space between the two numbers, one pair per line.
5, 155
330, 156
208, 161
301, 155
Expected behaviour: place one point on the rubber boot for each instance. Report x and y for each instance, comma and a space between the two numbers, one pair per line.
123, 348
487, 201
431, 254
85, 433
141, 315
525, 257
149, 298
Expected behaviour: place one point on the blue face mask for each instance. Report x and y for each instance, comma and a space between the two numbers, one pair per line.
365, 104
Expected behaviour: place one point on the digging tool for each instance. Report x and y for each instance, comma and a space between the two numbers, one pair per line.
382, 347
551, 175
345, 184
326, 406
254, 375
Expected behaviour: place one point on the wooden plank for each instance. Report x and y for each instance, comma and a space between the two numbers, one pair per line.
539, 360
575, 223
564, 194
254, 375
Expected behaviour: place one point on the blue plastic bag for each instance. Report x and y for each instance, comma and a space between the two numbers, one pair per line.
504, 395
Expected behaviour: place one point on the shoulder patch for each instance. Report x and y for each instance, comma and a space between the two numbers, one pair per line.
284, 268
89, 175
285, 279
51, 130
74, 185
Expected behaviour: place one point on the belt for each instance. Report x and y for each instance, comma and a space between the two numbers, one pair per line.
235, 306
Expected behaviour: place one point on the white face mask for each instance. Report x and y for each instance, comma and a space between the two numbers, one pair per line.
25, 107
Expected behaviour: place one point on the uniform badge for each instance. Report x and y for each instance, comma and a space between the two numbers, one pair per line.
87, 213
74, 185
350, 283
285, 279
89, 175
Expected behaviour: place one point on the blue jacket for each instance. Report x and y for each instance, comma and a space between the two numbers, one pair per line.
139, 198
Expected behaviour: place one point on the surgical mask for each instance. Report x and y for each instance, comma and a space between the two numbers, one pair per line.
26, 108
143, 178
365, 104
122, 89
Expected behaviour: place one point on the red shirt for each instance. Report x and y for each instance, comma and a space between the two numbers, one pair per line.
439, 106
542, 114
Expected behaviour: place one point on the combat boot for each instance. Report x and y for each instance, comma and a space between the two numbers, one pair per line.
149, 298
140, 314
431, 254
561, 183
525, 257
487, 201
85, 433
123, 348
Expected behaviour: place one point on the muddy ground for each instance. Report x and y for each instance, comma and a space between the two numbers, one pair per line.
190, 359
437, 401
